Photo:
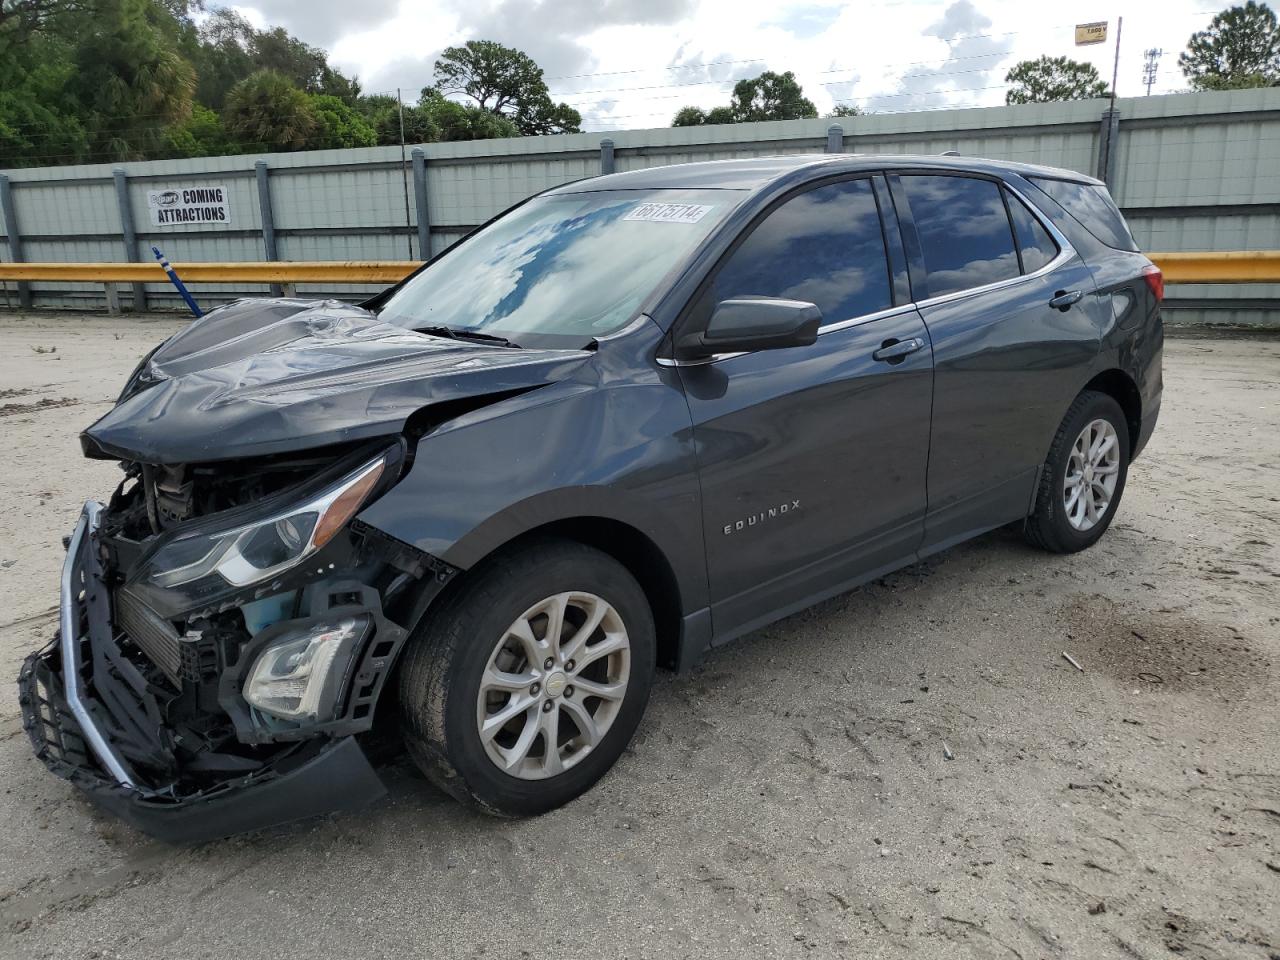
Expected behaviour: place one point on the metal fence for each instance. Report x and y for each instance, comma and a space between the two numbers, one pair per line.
1191, 172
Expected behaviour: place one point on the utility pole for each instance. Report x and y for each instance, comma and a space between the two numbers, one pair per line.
404, 176
1115, 69
1150, 67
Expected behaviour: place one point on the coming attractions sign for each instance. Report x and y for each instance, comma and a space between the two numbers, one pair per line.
183, 205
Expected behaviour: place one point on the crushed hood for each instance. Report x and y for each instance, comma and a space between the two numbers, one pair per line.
261, 377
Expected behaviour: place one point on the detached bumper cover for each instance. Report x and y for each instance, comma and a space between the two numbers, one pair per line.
314, 777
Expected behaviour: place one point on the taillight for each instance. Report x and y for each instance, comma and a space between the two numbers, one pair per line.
1155, 281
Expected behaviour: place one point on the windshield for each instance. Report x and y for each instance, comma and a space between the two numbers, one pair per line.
561, 269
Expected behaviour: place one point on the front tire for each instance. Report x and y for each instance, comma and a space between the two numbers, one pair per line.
1083, 478
527, 684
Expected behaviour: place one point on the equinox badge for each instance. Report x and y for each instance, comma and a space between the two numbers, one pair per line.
771, 514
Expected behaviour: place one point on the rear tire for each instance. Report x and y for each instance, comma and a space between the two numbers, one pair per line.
1083, 478
485, 681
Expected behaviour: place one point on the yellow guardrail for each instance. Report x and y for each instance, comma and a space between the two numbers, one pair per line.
1252, 266
1249, 266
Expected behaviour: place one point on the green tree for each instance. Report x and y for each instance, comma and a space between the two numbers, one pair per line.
39, 122
505, 82
202, 135
339, 125
22, 21
1053, 78
461, 121
770, 96
1240, 48
845, 110
267, 112
689, 117
222, 55
130, 84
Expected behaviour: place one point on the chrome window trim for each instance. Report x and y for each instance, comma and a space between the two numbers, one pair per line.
1065, 252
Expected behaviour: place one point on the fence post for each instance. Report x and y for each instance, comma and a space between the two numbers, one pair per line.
420, 202
15, 239
1108, 146
835, 138
263, 175
130, 234
606, 157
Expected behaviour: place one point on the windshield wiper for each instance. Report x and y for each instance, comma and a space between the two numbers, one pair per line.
454, 334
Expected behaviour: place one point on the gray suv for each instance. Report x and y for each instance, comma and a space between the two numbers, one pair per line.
626, 421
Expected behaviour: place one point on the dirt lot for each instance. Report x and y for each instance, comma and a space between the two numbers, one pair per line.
791, 797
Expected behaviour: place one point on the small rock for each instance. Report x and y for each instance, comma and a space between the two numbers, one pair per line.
1097, 908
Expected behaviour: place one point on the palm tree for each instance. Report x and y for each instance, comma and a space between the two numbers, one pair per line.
266, 111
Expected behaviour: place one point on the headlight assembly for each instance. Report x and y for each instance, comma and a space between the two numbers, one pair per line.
204, 563
297, 676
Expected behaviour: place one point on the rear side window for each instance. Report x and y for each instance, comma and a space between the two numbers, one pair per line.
964, 232
1035, 246
1092, 205
824, 246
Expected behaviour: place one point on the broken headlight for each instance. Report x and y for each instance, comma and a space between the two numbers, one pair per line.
203, 563
297, 677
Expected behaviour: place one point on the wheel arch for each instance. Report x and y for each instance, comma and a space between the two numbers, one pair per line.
1122, 388
639, 553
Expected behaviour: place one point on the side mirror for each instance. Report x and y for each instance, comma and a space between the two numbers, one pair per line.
738, 326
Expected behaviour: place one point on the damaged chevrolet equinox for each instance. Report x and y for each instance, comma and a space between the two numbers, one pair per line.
628, 420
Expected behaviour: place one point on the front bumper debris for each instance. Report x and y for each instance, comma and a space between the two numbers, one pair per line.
85, 735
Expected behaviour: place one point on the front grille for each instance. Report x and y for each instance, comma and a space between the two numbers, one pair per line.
151, 633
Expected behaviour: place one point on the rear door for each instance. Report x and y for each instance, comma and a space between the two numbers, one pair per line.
812, 459
1008, 304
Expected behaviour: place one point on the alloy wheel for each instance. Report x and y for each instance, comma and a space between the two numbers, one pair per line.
1093, 469
553, 685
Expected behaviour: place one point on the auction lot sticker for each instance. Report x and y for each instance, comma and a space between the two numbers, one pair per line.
179, 206
669, 212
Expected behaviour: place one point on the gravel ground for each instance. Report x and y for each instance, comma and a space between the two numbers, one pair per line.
790, 797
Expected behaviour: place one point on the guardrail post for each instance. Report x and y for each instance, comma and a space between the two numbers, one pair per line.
268, 219
1108, 145
129, 233
14, 238
606, 157
835, 138
420, 202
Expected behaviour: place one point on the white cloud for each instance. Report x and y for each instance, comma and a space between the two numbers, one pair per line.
634, 63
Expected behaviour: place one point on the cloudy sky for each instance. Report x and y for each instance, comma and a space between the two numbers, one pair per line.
628, 64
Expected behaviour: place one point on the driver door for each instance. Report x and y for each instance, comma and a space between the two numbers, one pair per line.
812, 459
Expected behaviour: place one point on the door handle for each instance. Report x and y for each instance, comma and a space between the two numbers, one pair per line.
895, 351
1063, 299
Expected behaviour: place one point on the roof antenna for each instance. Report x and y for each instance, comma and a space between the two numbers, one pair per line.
950, 153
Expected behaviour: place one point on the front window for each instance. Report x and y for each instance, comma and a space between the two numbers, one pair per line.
561, 269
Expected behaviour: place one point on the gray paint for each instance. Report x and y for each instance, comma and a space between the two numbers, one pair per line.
738, 487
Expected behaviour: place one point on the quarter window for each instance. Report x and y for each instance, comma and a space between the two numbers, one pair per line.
824, 246
964, 232
1035, 246
1092, 205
